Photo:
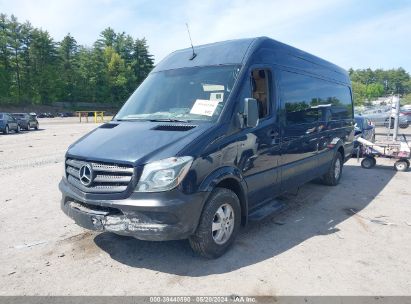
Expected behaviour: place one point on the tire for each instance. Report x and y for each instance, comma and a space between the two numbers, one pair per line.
6, 130
333, 176
212, 244
387, 123
28, 127
18, 129
368, 162
401, 165
36, 127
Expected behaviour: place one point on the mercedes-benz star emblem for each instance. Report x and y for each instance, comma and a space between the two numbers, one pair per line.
86, 175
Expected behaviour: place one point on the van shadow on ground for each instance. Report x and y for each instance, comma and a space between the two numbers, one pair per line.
315, 210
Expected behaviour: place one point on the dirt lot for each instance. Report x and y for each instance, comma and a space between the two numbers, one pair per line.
346, 240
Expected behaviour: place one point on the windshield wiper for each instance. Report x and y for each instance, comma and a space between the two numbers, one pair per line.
169, 120
130, 119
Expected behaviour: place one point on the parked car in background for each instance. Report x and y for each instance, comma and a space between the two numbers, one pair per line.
65, 114
382, 117
26, 121
407, 114
8, 123
46, 115
364, 128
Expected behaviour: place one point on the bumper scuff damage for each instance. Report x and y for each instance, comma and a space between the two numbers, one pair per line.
167, 217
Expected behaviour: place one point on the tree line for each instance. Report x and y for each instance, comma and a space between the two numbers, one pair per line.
368, 84
35, 69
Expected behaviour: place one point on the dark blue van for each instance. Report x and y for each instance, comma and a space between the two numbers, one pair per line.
208, 141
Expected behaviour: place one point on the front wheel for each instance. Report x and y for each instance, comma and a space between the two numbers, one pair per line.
368, 162
219, 224
18, 129
6, 130
333, 176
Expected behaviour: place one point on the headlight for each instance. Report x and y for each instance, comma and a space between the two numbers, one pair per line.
164, 175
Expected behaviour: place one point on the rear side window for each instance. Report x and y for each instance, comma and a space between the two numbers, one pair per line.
308, 99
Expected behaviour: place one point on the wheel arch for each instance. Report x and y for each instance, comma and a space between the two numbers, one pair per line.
229, 178
341, 150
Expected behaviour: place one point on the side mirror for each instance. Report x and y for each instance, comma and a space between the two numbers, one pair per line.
251, 112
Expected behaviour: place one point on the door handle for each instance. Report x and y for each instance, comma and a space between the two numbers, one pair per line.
275, 137
273, 133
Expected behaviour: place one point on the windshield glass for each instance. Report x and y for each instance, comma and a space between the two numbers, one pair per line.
183, 94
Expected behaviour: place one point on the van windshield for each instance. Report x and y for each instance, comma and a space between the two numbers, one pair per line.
183, 94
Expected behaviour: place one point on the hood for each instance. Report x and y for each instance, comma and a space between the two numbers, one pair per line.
135, 142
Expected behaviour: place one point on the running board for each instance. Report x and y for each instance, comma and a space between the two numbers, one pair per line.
266, 210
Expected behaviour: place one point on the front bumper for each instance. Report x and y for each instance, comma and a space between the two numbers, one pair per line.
161, 216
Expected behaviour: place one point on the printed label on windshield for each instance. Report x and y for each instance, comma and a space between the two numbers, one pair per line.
204, 107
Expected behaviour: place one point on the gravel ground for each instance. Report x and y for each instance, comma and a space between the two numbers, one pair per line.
353, 239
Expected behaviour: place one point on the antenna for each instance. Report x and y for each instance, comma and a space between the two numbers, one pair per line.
192, 47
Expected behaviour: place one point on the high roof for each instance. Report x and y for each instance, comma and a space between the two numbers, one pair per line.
240, 51
225, 52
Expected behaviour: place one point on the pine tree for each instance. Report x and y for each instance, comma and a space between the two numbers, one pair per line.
68, 55
35, 69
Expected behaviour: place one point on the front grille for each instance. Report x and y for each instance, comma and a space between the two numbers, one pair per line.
106, 178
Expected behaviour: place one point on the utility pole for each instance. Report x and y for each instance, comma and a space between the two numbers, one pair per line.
396, 103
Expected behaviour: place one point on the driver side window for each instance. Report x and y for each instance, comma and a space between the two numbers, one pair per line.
260, 85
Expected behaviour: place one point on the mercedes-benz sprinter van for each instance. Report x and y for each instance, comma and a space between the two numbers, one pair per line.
208, 141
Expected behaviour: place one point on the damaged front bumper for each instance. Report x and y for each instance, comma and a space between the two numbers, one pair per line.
159, 216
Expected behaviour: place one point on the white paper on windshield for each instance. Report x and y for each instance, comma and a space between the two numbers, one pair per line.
204, 107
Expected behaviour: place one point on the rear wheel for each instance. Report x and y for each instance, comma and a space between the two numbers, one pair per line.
333, 176
18, 129
219, 224
368, 162
6, 130
36, 127
401, 165
28, 127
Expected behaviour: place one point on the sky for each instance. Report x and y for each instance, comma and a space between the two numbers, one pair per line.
349, 33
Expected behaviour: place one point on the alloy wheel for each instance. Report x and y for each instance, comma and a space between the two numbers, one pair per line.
223, 224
